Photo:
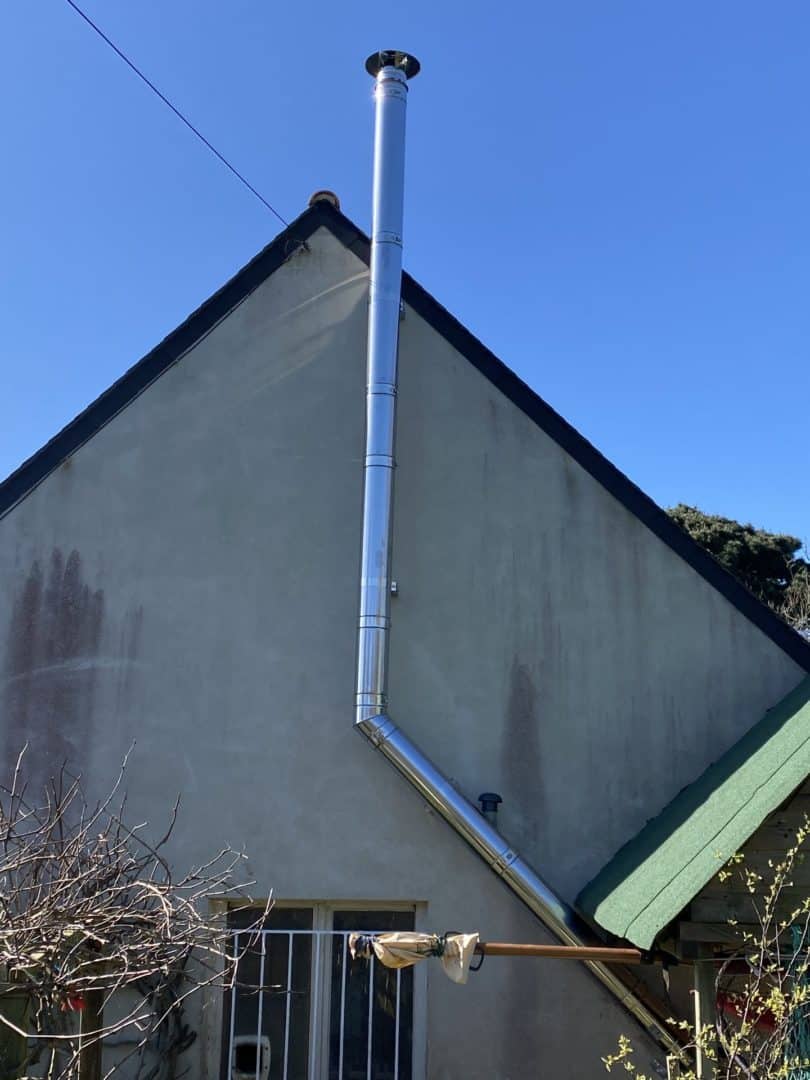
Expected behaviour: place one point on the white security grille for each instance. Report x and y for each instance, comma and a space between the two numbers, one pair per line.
302, 1009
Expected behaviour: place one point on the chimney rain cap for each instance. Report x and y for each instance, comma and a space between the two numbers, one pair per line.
393, 58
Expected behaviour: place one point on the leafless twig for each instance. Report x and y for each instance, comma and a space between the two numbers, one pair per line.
89, 911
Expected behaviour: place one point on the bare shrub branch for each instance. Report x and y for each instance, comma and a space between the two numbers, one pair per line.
91, 911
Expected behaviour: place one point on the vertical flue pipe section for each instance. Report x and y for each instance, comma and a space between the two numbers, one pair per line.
392, 71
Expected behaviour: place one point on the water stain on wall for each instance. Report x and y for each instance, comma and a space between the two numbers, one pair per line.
50, 664
128, 650
521, 751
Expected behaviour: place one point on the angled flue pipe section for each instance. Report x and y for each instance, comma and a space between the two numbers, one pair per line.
392, 70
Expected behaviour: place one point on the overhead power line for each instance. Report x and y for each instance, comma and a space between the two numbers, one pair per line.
176, 111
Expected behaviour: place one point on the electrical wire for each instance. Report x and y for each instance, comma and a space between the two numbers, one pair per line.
176, 111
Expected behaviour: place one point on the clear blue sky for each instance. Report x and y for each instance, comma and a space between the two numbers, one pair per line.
613, 196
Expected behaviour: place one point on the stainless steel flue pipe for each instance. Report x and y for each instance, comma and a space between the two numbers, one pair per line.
392, 70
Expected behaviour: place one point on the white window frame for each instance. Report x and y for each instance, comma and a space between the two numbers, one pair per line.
320, 1004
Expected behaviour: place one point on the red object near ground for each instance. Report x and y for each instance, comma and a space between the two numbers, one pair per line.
766, 1021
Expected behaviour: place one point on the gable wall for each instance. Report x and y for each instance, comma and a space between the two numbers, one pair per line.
546, 644
187, 580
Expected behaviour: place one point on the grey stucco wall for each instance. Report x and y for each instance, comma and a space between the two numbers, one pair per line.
598, 671
188, 580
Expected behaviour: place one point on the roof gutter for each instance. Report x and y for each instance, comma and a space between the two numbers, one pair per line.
391, 71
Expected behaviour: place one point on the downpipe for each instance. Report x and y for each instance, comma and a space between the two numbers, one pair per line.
391, 71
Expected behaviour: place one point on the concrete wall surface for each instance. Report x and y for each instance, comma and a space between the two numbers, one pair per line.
188, 580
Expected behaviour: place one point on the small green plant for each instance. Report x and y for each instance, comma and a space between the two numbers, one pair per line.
762, 985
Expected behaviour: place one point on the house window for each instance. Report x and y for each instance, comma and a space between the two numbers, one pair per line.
302, 1009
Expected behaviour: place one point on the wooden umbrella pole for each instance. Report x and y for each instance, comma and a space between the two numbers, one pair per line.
603, 954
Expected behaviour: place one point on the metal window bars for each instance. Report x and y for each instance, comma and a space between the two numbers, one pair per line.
331, 1035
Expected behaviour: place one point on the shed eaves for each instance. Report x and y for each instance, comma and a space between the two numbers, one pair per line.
654, 876
251, 276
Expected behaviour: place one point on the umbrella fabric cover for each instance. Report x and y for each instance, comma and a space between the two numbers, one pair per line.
401, 950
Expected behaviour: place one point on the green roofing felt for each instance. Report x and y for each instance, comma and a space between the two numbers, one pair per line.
653, 877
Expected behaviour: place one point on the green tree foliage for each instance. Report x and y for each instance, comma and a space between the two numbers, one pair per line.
769, 564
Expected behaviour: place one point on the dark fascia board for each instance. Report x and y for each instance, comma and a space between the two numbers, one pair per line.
286, 244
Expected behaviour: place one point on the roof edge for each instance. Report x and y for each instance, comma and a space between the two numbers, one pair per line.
630, 898
585, 453
143, 373
33, 471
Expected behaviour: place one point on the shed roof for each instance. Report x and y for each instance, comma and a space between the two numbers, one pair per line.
654, 876
323, 215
